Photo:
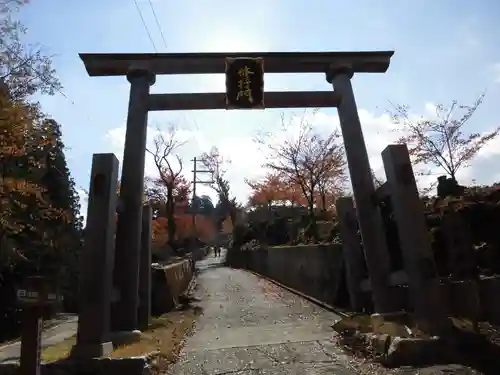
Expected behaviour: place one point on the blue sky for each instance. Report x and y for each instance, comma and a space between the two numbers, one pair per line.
444, 50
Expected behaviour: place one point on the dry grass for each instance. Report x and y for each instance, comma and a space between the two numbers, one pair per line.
58, 351
165, 337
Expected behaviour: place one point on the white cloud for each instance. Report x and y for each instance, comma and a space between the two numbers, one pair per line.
83, 204
244, 158
116, 137
430, 109
496, 72
247, 157
491, 149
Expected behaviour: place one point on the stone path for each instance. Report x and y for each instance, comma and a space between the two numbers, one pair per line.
63, 328
250, 326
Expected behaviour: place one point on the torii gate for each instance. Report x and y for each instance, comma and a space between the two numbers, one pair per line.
141, 70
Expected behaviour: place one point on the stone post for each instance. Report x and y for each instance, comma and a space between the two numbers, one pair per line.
144, 313
414, 239
31, 341
351, 249
368, 212
97, 259
128, 234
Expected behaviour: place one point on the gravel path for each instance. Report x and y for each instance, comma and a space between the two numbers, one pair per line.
250, 326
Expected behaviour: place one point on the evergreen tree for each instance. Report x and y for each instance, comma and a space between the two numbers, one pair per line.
66, 232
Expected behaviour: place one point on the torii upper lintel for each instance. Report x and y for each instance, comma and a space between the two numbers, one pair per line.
116, 64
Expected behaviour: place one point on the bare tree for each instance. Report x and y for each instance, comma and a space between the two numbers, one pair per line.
332, 184
441, 141
165, 147
24, 68
310, 160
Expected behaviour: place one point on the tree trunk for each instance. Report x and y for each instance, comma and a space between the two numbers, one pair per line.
313, 228
170, 208
323, 200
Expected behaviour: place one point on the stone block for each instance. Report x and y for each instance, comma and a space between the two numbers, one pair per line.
169, 282
119, 338
91, 350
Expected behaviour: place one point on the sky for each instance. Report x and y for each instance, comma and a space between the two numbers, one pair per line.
444, 50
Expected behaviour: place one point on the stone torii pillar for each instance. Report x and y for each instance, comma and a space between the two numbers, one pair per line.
368, 212
128, 233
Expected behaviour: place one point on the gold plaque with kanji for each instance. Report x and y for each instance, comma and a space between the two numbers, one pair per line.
244, 83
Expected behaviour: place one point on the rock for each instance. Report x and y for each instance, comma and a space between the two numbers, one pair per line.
415, 351
379, 343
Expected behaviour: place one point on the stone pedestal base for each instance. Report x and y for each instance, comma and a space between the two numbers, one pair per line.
86, 351
119, 338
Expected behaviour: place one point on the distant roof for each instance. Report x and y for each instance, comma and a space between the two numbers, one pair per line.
114, 64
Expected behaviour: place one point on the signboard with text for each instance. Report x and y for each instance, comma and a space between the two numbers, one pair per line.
244, 83
36, 291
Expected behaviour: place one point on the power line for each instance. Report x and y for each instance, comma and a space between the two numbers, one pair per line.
145, 25
158, 24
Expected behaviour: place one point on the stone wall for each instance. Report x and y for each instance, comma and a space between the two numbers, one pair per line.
315, 270
169, 282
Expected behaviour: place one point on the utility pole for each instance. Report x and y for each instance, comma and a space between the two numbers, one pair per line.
195, 181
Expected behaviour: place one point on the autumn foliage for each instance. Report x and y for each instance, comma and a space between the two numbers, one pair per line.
205, 228
303, 160
23, 163
227, 225
274, 188
40, 225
